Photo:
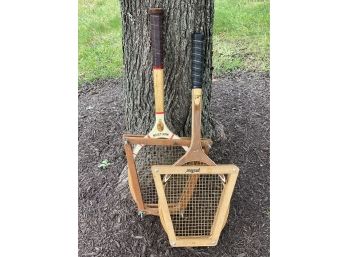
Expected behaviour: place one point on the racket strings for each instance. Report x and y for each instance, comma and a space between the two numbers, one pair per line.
193, 201
154, 155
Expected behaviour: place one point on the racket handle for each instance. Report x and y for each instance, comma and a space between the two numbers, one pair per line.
156, 20
197, 60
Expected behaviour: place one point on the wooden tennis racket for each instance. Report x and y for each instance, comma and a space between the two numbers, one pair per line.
160, 146
194, 193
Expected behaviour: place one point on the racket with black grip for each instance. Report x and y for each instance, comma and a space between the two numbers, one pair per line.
194, 193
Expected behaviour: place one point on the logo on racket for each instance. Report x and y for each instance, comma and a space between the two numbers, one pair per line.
192, 170
160, 126
161, 134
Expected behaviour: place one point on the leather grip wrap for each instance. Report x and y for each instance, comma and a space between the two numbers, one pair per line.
156, 21
197, 60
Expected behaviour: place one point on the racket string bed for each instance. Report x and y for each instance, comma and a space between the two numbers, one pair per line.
154, 155
193, 206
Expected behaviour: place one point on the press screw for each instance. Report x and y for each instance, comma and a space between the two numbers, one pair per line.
141, 214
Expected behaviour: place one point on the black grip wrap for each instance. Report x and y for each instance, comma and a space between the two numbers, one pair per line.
197, 60
156, 20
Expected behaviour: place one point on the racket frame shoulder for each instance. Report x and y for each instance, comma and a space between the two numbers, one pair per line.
160, 129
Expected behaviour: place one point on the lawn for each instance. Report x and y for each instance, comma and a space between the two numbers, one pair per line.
241, 37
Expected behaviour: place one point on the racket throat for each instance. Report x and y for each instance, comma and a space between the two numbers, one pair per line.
196, 120
160, 129
158, 83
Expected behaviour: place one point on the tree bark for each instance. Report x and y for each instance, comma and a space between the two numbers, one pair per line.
181, 19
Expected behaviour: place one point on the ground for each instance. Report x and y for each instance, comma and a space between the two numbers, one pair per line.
108, 221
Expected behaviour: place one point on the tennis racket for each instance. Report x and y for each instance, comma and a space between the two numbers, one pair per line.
160, 145
194, 193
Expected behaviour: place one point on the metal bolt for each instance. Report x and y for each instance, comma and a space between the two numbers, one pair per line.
172, 243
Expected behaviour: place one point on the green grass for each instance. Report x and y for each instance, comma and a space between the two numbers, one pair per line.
241, 37
100, 39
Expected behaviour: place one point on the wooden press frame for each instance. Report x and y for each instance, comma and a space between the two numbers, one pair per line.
133, 179
222, 211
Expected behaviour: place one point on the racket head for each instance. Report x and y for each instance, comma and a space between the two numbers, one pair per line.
153, 151
194, 202
153, 155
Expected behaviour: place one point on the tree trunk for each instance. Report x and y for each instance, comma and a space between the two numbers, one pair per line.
181, 19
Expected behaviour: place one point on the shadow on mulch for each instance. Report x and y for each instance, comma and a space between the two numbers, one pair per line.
108, 221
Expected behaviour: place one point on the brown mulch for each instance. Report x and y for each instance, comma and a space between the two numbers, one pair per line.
108, 221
